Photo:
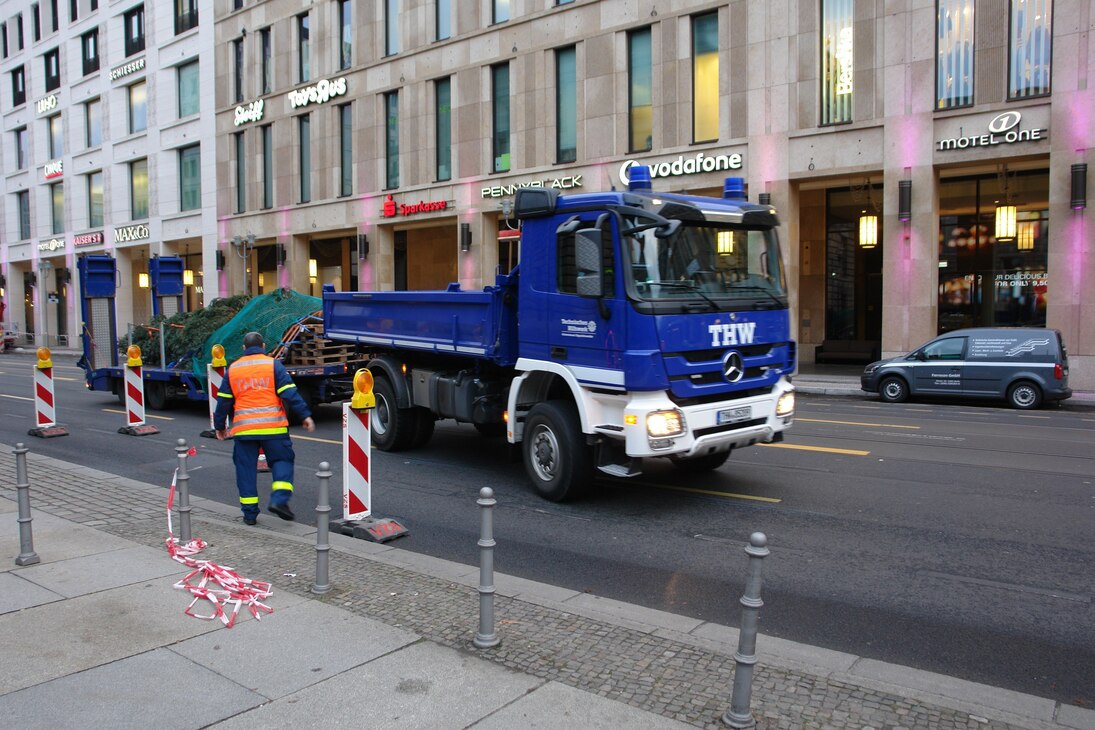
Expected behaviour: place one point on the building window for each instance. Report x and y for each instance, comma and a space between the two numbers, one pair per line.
837, 61
442, 18
18, 86
138, 189
237, 70
19, 40
4, 39
1029, 51
36, 22
442, 89
499, 11
346, 148
95, 199
304, 49
134, 30
190, 178
189, 99
237, 4
954, 54
705, 77
563, 2
304, 133
73, 10
93, 123
640, 99
345, 34
499, 102
52, 62
391, 139
56, 137
57, 208
89, 47
265, 66
241, 172
391, 27
566, 105
186, 15
138, 107
55, 15
21, 148
22, 199
267, 166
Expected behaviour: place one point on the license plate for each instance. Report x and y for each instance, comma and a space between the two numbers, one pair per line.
734, 415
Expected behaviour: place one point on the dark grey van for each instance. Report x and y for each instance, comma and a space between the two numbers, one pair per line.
1024, 366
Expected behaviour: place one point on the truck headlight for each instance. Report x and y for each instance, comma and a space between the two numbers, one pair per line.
660, 424
785, 406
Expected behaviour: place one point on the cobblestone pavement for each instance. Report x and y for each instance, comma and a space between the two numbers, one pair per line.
674, 679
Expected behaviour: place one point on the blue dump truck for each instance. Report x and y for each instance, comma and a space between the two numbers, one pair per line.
636, 325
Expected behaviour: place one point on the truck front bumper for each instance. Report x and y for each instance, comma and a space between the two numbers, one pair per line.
707, 428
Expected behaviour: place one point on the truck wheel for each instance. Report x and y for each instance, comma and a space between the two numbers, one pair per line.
393, 428
893, 390
1024, 395
423, 430
557, 459
156, 396
701, 464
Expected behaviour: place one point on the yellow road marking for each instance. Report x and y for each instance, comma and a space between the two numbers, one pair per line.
1045, 417
147, 415
770, 500
826, 449
314, 438
16, 397
855, 423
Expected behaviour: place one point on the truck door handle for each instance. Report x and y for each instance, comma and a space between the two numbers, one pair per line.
559, 353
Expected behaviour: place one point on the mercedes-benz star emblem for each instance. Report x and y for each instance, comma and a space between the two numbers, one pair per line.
733, 369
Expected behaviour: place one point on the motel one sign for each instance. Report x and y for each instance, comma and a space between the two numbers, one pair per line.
1004, 128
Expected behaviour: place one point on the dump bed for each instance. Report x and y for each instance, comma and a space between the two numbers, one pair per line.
480, 324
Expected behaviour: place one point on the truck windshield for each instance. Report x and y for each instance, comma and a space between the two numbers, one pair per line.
706, 262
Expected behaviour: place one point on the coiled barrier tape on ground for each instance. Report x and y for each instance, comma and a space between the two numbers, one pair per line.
224, 589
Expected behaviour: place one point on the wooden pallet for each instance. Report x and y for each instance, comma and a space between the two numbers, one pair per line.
304, 344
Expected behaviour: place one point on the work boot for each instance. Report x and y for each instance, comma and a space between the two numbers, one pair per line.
282, 511
250, 521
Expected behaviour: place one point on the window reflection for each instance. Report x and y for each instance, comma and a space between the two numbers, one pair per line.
954, 47
1030, 48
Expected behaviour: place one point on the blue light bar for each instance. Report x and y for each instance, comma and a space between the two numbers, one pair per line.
638, 178
734, 188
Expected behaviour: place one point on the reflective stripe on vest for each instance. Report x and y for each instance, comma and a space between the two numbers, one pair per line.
258, 409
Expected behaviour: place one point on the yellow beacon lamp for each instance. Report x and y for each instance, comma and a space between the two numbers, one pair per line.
44, 360
363, 391
133, 355
218, 357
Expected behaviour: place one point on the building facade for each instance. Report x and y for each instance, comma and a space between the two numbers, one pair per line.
108, 148
928, 158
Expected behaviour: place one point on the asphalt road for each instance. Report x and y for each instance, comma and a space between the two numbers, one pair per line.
957, 539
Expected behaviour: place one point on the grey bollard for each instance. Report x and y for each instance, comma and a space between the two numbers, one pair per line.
27, 556
739, 715
323, 522
486, 637
182, 484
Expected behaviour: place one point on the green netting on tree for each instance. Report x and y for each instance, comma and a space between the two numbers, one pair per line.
186, 331
268, 314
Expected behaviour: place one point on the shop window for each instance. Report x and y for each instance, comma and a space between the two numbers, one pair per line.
1029, 48
705, 77
853, 272
985, 281
954, 54
500, 116
837, 61
640, 98
566, 105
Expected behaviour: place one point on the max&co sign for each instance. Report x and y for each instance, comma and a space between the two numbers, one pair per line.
126, 234
1003, 129
392, 209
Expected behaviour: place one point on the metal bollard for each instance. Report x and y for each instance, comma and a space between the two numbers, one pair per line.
182, 483
27, 556
323, 522
739, 715
487, 637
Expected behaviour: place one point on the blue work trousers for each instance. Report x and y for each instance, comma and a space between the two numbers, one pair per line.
279, 456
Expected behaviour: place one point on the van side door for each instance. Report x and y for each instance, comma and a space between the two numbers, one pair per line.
938, 367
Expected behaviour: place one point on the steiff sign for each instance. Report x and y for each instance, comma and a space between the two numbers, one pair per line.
250, 113
125, 234
1005, 128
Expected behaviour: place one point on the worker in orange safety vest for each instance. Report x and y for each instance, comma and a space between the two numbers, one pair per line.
255, 393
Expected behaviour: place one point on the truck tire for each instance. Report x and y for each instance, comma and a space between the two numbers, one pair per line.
701, 464
423, 430
557, 459
156, 396
393, 428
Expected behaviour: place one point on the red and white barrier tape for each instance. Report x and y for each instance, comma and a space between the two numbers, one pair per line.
222, 587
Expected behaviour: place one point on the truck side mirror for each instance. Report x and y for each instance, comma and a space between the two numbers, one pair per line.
588, 260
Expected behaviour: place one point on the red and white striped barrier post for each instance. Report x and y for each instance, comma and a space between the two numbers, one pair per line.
45, 413
214, 374
357, 469
134, 395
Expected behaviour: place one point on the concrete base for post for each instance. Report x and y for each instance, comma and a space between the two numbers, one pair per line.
376, 529
143, 430
48, 432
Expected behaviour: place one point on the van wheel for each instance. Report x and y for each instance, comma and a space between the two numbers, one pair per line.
557, 459
893, 390
393, 428
1024, 395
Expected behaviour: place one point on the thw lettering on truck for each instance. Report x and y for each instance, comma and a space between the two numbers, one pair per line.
735, 333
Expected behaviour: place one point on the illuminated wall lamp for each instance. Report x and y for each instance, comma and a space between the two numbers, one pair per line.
725, 243
1025, 239
868, 230
142, 280
904, 200
188, 277
1005, 223
313, 268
